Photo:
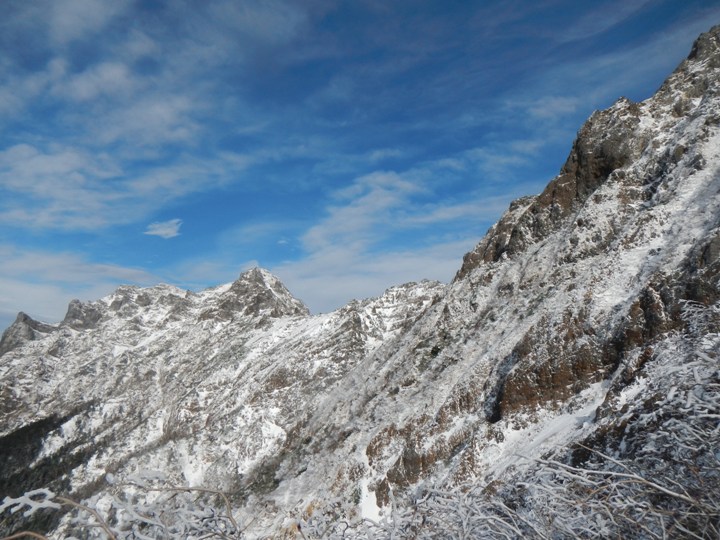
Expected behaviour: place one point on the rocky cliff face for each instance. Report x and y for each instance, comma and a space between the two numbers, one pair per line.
539, 342
632, 209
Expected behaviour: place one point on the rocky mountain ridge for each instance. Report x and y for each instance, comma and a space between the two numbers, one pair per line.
554, 329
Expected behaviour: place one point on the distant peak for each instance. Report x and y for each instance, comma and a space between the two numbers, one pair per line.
24, 329
258, 275
263, 292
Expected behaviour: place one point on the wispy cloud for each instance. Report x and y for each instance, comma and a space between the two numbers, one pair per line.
107, 79
552, 107
484, 209
367, 205
602, 19
18, 89
70, 188
271, 21
64, 267
164, 229
57, 188
70, 20
153, 120
383, 154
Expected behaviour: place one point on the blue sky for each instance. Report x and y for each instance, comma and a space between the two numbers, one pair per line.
346, 146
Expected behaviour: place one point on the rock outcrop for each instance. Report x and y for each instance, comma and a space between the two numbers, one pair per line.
24, 329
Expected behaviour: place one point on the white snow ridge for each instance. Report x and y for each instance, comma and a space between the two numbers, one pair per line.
566, 384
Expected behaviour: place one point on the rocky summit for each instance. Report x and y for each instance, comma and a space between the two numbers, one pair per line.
566, 383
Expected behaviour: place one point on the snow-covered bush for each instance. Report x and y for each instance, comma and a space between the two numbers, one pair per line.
143, 507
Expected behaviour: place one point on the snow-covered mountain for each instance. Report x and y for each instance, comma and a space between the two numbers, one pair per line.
577, 333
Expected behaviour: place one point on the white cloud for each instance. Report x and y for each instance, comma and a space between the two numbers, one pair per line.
269, 21
241, 237
165, 229
101, 80
552, 107
75, 19
383, 154
601, 20
63, 267
59, 188
70, 188
497, 164
481, 209
154, 120
452, 163
139, 45
19, 90
363, 208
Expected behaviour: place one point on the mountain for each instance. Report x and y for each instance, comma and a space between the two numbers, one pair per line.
565, 383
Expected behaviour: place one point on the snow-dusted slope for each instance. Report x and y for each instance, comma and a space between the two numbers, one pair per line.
207, 387
539, 341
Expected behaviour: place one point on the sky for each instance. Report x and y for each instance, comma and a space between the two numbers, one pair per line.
346, 146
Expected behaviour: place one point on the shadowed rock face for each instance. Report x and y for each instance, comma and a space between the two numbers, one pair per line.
81, 316
706, 48
606, 143
24, 329
258, 292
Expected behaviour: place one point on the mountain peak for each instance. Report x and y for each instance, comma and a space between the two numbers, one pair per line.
258, 275
24, 329
707, 46
259, 292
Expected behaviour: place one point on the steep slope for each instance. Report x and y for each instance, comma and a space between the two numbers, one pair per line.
564, 325
564, 290
206, 387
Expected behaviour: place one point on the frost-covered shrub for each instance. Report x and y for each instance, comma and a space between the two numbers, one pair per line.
142, 507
